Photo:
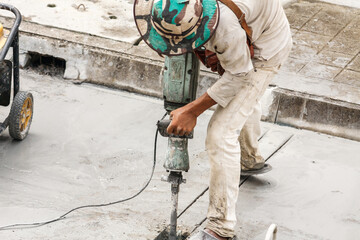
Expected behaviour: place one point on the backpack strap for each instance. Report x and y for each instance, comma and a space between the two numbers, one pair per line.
241, 17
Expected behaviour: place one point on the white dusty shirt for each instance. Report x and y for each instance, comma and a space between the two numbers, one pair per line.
271, 34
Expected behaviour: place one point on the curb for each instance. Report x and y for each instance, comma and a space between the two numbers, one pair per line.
124, 66
306, 111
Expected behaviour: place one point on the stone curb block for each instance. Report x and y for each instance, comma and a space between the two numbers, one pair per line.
313, 113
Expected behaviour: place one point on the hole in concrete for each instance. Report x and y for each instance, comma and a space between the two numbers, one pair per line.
112, 17
46, 64
164, 235
51, 5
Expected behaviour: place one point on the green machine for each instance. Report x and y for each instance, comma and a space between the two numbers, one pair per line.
179, 88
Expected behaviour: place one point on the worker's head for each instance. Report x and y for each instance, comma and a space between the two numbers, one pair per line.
173, 27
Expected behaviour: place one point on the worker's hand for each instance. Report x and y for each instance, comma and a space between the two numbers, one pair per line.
183, 121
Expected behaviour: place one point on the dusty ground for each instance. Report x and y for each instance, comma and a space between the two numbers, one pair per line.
325, 58
92, 145
106, 18
320, 78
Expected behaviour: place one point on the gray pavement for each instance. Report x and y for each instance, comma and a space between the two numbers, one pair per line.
105, 18
91, 145
325, 58
317, 89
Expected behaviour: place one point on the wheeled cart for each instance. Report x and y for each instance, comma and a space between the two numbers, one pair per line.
21, 111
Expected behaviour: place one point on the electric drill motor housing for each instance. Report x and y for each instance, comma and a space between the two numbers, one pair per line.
180, 80
179, 88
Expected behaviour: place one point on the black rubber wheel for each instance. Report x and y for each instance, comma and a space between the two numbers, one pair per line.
21, 114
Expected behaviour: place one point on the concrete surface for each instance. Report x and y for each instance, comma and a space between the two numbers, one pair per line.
325, 56
321, 78
90, 145
349, 3
106, 18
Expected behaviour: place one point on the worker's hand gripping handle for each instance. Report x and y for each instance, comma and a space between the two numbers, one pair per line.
162, 127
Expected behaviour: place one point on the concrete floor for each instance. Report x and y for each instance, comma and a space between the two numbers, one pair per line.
90, 145
318, 88
106, 18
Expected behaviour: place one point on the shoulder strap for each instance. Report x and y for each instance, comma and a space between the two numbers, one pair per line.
240, 15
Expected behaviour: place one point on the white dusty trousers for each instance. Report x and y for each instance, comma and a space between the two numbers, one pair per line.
240, 120
236, 124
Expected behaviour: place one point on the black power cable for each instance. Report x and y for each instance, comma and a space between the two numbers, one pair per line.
38, 224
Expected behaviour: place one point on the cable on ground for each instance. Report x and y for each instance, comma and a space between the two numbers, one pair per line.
38, 224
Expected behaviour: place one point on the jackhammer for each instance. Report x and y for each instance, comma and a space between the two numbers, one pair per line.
179, 88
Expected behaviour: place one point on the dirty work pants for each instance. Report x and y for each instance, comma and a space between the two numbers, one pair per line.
237, 124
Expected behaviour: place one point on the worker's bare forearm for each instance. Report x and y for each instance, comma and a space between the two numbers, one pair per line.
200, 105
184, 118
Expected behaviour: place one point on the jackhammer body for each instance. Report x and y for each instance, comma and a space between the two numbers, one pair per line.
179, 88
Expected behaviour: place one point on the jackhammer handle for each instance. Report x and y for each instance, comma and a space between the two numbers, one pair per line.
162, 127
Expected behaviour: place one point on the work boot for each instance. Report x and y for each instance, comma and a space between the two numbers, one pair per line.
207, 234
253, 164
256, 170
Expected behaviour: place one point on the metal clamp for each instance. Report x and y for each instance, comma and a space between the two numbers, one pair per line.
241, 17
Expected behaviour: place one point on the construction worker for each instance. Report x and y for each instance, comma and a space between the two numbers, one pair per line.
250, 39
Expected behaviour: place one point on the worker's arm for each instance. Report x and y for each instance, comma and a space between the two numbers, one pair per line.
183, 120
234, 55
